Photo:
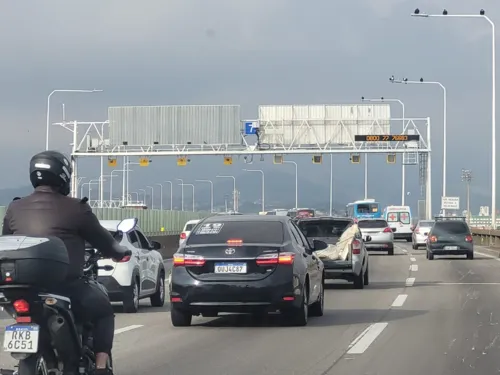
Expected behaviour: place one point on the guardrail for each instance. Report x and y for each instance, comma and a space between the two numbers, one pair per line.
486, 237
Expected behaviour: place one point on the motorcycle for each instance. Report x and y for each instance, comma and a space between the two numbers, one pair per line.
45, 317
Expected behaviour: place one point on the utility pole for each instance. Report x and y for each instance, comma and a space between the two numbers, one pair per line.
467, 178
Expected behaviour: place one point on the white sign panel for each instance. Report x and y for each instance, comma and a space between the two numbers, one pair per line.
450, 203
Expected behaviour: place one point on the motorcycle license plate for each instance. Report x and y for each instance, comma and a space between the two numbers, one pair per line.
21, 338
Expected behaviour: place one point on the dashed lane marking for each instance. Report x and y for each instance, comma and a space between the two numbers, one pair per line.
366, 338
400, 300
413, 260
126, 329
410, 281
414, 267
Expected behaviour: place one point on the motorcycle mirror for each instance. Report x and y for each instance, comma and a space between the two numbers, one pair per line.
127, 225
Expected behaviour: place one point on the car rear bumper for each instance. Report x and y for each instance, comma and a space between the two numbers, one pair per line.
379, 246
402, 235
462, 250
115, 290
268, 294
420, 239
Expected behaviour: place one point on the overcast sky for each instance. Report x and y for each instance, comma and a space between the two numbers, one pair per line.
161, 52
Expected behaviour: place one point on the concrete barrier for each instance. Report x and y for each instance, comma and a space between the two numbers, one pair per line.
486, 237
170, 244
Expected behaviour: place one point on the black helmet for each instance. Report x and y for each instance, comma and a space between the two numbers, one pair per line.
51, 168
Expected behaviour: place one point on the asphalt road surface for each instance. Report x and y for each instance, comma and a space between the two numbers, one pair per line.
416, 317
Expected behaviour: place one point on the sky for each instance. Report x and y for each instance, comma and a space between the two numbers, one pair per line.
163, 52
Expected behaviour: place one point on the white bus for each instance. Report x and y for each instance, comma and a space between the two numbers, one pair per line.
399, 217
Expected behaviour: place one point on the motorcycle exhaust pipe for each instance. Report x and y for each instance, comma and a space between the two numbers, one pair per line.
63, 338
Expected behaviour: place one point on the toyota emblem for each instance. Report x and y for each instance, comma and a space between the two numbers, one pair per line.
230, 251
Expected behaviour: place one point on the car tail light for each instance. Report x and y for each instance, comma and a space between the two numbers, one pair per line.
125, 259
433, 239
388, 230
188, 260
356, 247
276, 258
468, 238
21, 306
183, 235
234, 242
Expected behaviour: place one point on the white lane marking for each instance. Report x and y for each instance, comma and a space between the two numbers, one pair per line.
413, 260
366, 338
404, 250
410, 281
126, 329
487, 255
414, 267
400, 300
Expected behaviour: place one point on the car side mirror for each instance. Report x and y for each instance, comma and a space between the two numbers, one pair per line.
368, 238
394, 229
126, 225
319, 245
155, 245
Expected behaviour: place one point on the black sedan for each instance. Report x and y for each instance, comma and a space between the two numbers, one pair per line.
247, 264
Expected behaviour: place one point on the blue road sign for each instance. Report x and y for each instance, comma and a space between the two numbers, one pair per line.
250, 127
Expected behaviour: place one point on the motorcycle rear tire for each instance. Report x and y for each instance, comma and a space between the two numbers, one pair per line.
33, 365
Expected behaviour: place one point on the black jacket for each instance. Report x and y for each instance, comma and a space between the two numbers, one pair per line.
47, 213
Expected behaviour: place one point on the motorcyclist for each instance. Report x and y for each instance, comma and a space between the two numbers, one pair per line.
48, 211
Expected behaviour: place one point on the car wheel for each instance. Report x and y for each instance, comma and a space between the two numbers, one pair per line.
390, 251
414, 247
317, 308
366, 278
359, 280
470, 255
131, 298
430, 256
158, 299
408, 240
299, 316
180, 318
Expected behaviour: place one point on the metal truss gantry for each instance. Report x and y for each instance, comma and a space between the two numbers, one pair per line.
90, 139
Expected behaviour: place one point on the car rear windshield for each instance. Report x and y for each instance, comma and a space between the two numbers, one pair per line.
367, 208
426, 224
324, 228
248, 231
363, 224
189, 227
450, 227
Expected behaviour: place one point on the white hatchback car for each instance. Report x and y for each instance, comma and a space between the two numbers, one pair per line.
188, 227
136, 277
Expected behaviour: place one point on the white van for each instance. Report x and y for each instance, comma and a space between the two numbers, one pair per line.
187, 230
399, 218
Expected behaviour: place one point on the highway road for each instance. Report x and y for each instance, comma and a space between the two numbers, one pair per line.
416, 317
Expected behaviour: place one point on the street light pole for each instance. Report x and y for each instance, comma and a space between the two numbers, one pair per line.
161, 196
182, 192
48, 111
403, 171
263, 186
152, 196
235, 209
211, 193
296, 181
482, 15
467, 178
111, 182
422, 82
171, 191
144, 192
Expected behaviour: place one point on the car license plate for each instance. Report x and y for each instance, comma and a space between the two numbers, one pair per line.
230, 268
451, 247
21, 338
